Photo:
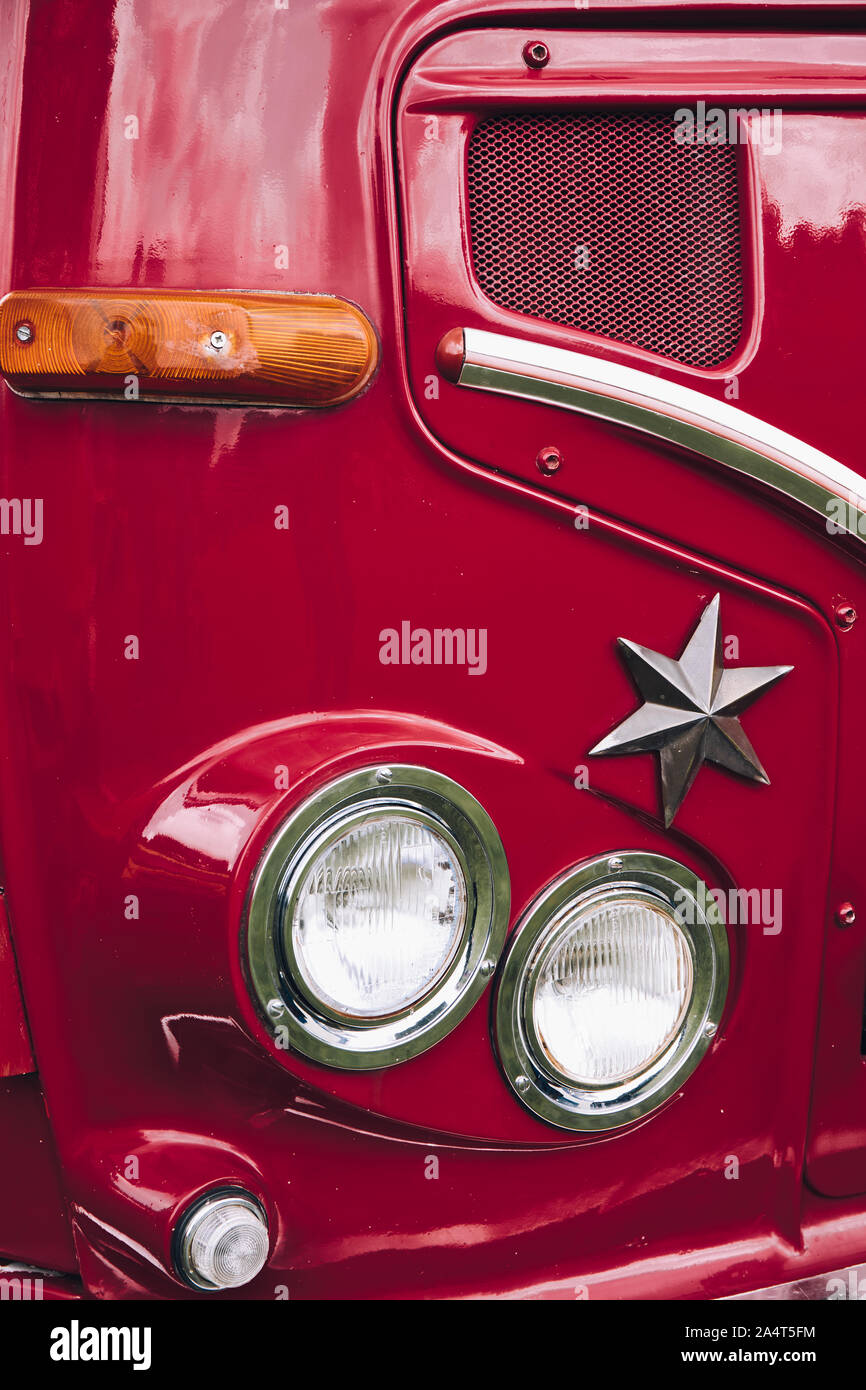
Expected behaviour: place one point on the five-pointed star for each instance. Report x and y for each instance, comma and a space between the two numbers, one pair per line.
690, 712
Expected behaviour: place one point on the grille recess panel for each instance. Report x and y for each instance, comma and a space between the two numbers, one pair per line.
603, 222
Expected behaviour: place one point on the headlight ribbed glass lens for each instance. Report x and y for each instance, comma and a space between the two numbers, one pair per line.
378, 915
611, 991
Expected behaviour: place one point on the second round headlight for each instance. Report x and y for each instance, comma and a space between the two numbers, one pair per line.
611, 991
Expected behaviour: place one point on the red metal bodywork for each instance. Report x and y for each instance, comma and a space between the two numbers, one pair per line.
260, 648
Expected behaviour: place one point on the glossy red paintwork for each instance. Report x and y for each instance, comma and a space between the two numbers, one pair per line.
259, 647
16, 1054
33, 1220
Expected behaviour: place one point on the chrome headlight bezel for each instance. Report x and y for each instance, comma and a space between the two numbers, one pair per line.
541, 1087
308, 1025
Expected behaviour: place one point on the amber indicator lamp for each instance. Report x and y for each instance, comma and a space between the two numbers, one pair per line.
290, 350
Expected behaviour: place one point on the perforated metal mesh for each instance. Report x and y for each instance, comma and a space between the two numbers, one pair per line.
604, 222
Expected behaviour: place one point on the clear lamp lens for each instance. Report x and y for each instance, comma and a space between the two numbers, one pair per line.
226, 1244
379, 916
612, 991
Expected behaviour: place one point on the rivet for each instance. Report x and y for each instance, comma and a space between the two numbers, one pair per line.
845, 615
845, 915
521, 1084
487, 968
384, 775
218, 340
536, 54
24, 333
275, 1007
549, 460
710, 1030
614, 865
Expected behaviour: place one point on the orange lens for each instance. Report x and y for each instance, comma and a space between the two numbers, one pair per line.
300, 350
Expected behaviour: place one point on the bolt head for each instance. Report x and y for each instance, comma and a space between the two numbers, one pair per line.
24, 333
845, 615
846, 915
275, 1007
710, 1030
487, 968
549, 460
521, 1084
614, 865
384, 775
536, 54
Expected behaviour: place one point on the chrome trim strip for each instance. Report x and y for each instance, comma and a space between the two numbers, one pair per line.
849, 1282
668, 411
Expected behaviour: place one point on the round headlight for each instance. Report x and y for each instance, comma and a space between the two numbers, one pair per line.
612, 990
376, 917
377, 914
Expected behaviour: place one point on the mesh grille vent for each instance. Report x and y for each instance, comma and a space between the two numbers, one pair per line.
603, 222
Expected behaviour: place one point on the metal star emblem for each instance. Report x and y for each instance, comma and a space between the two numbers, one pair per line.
690, 710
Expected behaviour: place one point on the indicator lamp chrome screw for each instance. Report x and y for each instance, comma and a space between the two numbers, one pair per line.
218, 341
24, 333
845, 615
845, 915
